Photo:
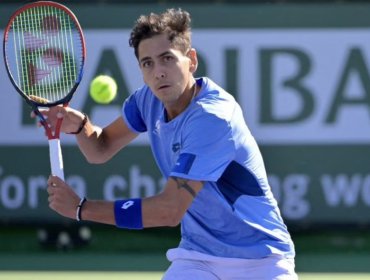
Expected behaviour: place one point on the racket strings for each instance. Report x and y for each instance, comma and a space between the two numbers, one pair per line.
47, 52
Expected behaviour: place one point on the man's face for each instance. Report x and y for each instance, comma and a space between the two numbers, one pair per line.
166, 70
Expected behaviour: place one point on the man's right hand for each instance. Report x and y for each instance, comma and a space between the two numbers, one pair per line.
72, 118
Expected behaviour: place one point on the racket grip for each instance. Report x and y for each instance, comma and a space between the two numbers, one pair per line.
56, 159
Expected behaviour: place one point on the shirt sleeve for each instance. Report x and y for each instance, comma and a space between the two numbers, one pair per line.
132, 114
207, 148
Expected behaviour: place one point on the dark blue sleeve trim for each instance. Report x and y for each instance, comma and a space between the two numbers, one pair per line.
184, 163
133, 115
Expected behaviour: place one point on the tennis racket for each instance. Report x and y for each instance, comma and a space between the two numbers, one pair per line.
44, 54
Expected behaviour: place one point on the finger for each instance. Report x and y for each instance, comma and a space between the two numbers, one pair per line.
52, 181
33, 114
56, 109
49, 190
56, 179
51, 178
51, 205
44, 112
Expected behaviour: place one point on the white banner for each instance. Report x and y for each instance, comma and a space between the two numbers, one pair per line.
296, 86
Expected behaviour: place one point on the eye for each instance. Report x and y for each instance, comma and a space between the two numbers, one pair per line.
146, 64
167, 58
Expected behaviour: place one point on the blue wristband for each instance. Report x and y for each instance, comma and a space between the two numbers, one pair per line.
127, 213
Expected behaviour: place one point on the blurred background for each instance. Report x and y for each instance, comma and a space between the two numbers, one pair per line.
299, 69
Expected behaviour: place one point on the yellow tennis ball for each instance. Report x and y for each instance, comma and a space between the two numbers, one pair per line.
103, 89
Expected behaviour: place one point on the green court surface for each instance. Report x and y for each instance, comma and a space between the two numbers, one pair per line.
82, 261
57, 275
113, 254
334, 276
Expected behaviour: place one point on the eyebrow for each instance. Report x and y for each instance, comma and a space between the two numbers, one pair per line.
160, 55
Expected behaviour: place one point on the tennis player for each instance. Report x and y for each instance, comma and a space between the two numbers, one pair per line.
217, 188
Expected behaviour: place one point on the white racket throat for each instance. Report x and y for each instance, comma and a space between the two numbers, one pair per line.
56, 159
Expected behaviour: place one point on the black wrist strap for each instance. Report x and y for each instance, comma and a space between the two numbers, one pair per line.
82, 125
79, 208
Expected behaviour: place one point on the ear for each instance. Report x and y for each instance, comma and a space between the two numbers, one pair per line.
192, 54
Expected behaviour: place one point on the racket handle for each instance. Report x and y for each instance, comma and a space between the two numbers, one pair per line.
56, 159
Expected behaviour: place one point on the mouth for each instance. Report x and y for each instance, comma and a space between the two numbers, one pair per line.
163, 87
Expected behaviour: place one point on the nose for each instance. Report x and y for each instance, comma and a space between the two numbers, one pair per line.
160, 73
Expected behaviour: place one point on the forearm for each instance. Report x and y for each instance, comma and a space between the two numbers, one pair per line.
104, 212
99, 145
164, 209
158, 212
91, 143
150, 214
98, 211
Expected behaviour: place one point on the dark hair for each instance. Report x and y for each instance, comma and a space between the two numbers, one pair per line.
174, 23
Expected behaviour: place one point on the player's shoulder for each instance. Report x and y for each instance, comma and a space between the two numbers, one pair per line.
214, 100
141, 91
144, 95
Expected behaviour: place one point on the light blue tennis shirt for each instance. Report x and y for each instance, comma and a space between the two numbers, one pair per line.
235, 214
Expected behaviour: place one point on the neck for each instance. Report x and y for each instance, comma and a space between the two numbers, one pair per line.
173, 111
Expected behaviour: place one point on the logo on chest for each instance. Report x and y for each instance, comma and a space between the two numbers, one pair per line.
176, 147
